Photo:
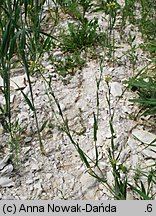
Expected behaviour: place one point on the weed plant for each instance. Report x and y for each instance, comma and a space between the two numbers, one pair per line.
76, 9
80, 36
146, 22
69, 64
145, 87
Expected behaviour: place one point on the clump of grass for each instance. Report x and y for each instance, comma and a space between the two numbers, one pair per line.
111, 10
21, 36
147, 24
144, 85
145, 21
144, 190
128, 12
80, 36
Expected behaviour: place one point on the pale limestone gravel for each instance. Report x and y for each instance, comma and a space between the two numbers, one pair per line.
61, 175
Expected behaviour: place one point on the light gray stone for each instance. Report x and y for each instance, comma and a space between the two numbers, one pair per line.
6, 182
116, 89
144, 136
28, 139
7, 170
4, 161
1, 81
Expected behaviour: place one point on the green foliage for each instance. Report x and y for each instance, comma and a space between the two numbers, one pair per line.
78, 37
146, 21
128, 12
21, 35
132, 53
76, 9
146, 90
68, 64
140, 189
108, 6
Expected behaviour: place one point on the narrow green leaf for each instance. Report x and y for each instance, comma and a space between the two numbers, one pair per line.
43, 125
95, 127
143, 188
28, 100
143, 195
82, 156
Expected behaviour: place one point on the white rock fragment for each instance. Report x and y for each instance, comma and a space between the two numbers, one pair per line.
29, 181
134, 161
49, 175
28, 139
49, 66
35, 167
7, 170
12, 98
62, 106
116, 89
89, 186
2, 100
31, 188
23, 116
23, 198
27, 164
1, 81
4, 161
111, 69
148, 153
130, 194
18, 82
38, 188
149, 163
133, 144
1, 129
126, 109
57, 54
144, 136
124, 155
6, 182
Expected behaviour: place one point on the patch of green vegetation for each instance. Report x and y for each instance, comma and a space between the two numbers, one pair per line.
147, 24
145, 20
68, 64
145, 83
77, 9
145, 86
80, 36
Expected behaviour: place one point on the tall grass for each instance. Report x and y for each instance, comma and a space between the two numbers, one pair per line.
22, 37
